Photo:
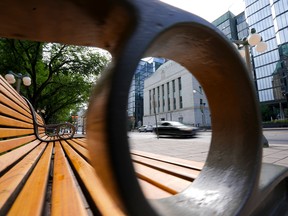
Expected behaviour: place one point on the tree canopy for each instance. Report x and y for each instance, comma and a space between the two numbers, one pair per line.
62, 75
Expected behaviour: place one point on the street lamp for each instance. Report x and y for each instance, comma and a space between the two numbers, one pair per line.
202, 107
75, 121
253, 39
10, 77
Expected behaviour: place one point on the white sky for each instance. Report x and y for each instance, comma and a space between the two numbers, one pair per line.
208, 9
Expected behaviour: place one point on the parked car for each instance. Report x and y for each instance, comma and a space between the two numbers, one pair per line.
145, 128
175, 129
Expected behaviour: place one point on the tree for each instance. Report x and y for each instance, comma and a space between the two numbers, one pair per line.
267, 112
62, 75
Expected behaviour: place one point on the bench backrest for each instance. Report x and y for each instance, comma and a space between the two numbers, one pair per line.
15, 118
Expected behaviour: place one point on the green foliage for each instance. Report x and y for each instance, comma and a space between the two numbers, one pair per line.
62, 76
267, 113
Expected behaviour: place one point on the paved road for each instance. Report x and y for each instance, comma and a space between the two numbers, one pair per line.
274, 136
277, 136
197, 148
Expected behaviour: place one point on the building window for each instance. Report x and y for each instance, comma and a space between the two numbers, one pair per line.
180, 93
174, 103
163, 99
154, 102
158, 99
168, 96
150, 102
174, 99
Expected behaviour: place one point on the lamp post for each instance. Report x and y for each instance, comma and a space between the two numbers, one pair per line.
10, 77
75, 122
243, 46
202, 107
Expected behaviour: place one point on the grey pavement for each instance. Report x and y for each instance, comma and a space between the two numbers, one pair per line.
196, 149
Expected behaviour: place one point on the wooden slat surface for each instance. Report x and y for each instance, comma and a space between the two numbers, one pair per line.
10, 92
11, 182
30, 201
83, 151
172, 160
81, 141
14, 114
6, 145
173, 169
12, 132
11, 122
66, 199
11, 157
151, 191
92, 182
167, 182
16, 104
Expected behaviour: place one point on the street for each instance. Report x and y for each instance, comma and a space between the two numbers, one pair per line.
197, 148
274, 136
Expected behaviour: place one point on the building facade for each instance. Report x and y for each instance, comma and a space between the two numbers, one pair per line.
270, 18
145, 68
173, 94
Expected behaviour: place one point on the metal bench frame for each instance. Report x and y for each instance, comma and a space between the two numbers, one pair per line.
56, 128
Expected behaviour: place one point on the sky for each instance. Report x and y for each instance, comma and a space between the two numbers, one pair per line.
208, 9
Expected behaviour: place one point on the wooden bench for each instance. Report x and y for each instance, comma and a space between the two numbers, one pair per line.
52, 175
233, 180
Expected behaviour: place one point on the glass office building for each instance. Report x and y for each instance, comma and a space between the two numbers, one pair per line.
270, 19
145, 68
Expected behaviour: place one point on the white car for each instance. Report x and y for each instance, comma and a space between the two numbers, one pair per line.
145, 128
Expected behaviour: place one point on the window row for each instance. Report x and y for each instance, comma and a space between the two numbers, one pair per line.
265, 27
267, 58
279, 7
266, 95
266, 70
252, 8
166, 97
259, 15
264, 83
281, 21
282, 36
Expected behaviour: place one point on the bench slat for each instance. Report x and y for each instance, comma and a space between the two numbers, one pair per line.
11, 122
6, 145
9, 132
66, 199
14, 114
81, 141
172, 160
9, 158
37, 182
92, 182
15, 104
170, 183
151, 191
83, 151
10, 92
12, 181
187, 173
